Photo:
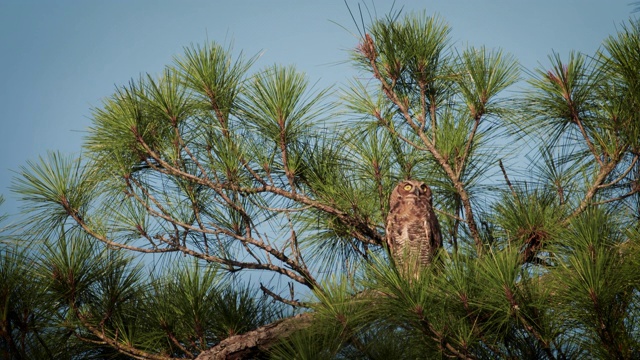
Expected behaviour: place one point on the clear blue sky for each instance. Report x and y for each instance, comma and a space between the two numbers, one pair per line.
59, 58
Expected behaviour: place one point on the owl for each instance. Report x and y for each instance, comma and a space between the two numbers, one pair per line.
412, 228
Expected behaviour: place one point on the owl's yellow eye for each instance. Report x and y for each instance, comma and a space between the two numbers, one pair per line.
408, 187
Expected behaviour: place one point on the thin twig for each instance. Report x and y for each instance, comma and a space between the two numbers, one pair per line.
281, 299
506, 179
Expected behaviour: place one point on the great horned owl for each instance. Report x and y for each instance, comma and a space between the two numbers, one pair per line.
412, 227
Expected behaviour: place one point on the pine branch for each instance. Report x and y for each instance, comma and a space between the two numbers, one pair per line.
368, 50
362, 232
279, 298
257, 341
117, 345
599, 180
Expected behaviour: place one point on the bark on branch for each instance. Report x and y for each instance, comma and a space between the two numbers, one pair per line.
256, 341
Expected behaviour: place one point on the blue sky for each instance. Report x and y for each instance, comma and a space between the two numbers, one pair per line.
58, 59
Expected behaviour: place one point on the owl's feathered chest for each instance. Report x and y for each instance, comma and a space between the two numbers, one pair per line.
407, 220
409, 208
412, 226
407, 224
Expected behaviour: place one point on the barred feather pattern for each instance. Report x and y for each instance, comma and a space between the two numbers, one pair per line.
412, 228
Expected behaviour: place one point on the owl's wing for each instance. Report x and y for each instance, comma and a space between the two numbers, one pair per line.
428, 233
389, 232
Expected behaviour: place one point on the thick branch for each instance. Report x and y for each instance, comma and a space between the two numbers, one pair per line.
257, 341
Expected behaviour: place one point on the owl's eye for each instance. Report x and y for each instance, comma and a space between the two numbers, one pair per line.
423, 187
408, 187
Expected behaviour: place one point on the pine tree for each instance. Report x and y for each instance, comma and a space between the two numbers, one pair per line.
255, 206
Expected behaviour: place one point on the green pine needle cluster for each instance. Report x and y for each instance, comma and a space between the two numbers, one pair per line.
223, 211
